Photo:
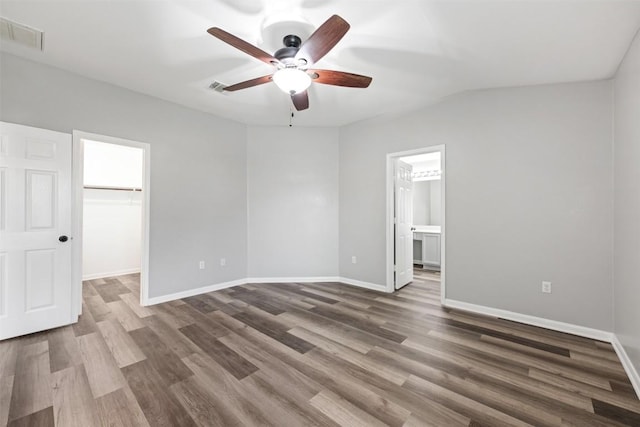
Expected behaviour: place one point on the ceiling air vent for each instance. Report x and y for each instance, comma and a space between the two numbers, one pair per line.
21, 34
217, 86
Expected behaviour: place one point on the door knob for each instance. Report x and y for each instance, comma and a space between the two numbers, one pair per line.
63, 238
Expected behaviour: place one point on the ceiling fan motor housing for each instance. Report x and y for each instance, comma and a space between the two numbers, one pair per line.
287, 54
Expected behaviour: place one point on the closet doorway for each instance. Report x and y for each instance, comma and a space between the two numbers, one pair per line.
112, 210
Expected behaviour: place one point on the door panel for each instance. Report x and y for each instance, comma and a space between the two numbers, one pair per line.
40, 278
39, 149
35, 209
403, 186
40, 200
3, 204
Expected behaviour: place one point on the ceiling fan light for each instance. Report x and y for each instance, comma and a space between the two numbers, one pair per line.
292, 80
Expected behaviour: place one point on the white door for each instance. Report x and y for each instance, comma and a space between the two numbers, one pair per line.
35, 222
403, 210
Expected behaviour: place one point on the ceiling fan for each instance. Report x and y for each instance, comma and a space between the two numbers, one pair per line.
293, 62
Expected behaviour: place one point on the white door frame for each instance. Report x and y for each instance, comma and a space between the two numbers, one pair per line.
389, 222
77, 217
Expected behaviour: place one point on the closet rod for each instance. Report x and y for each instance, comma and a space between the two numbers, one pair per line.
92, 187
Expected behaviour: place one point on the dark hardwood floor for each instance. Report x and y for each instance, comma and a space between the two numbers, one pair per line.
293, 354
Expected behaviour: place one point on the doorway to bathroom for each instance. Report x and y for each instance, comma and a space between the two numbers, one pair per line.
416, 215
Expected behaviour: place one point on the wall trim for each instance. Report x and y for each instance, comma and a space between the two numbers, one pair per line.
111, 274
292, 279
555, 325
321, 279
192, 292
366, 285
253, 280
631, 371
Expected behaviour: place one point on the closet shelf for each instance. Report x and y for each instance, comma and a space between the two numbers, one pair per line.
95, 187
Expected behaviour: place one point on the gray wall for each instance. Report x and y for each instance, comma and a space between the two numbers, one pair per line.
529, 190
198, 166
529, 197
435, 206
627, 204
293, 202
421, 203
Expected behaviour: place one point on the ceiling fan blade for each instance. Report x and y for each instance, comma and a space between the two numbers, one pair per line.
242, 45
323, 39
300, 100
249, 83
340, 78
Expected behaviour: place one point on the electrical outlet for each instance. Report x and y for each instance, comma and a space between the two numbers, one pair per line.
223, 262
201, 265
546, 287
354, 260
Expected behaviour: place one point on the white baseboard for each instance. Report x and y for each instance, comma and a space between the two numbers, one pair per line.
631, 371
361, 284
192, 292
334, 279
292, 279
110, 274
224, 285
568, 328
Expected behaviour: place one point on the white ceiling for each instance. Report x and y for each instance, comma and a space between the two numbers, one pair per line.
417, 51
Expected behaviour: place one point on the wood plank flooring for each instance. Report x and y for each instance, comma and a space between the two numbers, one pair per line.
291, 354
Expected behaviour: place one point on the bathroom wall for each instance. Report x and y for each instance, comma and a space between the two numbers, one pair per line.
421, 202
